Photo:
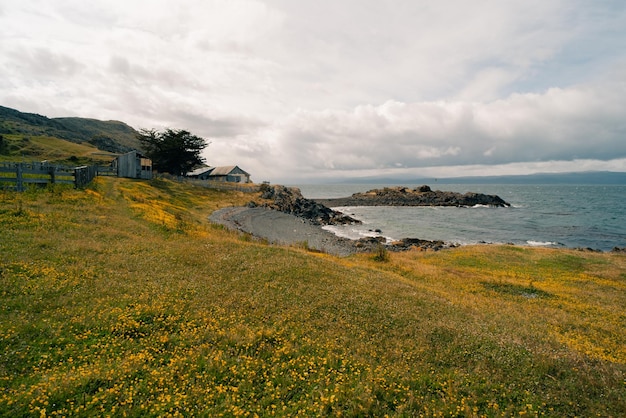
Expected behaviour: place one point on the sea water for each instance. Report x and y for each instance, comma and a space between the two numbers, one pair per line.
555, 215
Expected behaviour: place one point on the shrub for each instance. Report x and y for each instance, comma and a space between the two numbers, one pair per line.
381, 253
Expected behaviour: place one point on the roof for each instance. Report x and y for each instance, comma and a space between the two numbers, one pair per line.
216, 171
223, 170
200, 171
137, 153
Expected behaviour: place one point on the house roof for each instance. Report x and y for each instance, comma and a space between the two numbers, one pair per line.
137, 153
223, 170
216, 171
200, 171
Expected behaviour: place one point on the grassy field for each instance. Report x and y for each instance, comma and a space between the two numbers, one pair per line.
38, 148
123, 300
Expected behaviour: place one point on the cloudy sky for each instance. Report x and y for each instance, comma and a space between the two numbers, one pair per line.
310, 90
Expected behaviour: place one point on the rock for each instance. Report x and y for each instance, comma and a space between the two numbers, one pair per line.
290, 200
420, 196
588, 249
422, 244
370, 244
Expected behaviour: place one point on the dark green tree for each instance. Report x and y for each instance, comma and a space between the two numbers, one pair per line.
172, 151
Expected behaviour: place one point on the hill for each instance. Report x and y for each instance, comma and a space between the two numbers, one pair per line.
109, 136
123, 300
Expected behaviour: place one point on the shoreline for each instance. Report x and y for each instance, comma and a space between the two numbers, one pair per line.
282, 228
286, 229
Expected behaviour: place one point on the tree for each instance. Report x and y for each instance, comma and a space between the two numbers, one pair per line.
173, 151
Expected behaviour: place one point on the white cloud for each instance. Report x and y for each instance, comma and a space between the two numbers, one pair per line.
333, 88
558, 125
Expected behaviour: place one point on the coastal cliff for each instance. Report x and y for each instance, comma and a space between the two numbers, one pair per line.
419, 196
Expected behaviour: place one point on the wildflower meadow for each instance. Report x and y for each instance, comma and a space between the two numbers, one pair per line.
123, 300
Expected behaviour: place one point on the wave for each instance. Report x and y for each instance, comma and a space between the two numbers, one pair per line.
355, 234
542, 243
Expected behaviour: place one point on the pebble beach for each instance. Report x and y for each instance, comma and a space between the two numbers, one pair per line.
282, 228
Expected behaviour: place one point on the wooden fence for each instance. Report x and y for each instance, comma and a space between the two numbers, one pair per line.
17, 175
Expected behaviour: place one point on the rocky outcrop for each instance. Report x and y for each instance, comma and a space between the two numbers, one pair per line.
290, 200
369, 244
419, 196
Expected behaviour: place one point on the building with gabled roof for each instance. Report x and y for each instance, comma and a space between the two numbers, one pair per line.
231, 173
133, 165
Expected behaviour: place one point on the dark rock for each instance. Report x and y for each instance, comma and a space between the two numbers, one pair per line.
420, 196
370, 244
587, 249
290, 200
422, 244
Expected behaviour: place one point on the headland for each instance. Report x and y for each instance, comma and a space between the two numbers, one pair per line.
419, 196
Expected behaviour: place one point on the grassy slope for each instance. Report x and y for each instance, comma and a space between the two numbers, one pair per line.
123, 300
40, 148
78, 130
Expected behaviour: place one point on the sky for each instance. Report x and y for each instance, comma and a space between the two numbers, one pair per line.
323, 90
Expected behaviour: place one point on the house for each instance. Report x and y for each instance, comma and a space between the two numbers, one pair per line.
133, 165
231, 173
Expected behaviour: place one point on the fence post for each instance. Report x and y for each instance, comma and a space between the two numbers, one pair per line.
78, 177
83, 175
51, 171
19, 185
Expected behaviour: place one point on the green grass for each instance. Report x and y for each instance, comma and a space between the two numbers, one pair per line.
39, 148
123, 300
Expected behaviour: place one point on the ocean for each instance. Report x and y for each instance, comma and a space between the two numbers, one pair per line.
551, 215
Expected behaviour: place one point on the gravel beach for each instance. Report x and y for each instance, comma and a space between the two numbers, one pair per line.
282, 228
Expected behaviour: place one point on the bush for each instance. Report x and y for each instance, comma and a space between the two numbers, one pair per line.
381, 253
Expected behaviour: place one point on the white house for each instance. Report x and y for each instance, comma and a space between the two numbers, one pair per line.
231, 173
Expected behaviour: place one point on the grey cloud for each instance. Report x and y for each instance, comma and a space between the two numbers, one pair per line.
45, 64
323, 86
561, 124
119, 65
216, 126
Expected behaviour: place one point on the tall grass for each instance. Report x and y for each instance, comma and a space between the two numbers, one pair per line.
123, 300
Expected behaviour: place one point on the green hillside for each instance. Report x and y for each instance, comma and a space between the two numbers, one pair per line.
123, 300
45, 148
109, 136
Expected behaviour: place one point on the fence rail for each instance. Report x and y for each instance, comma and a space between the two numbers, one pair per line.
17, 175
107, 171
